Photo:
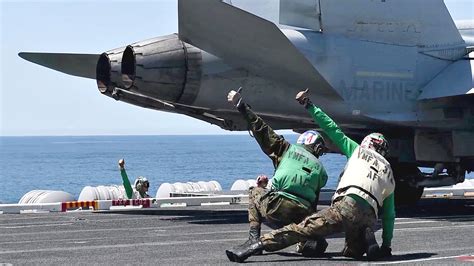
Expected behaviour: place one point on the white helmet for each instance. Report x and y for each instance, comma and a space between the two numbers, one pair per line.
376, 142
141, 182
312, 139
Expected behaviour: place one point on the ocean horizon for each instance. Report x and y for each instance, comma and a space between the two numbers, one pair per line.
69, 163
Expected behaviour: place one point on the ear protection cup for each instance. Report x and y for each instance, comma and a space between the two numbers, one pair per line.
140, 182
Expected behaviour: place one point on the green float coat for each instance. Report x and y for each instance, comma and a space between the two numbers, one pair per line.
299, 175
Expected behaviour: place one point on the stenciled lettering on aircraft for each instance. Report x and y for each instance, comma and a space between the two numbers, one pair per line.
385, 26
378, 90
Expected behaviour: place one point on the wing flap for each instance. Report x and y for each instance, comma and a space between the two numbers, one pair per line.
81, 65
244, 40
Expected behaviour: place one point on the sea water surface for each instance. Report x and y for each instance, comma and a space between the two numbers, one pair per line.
70, 163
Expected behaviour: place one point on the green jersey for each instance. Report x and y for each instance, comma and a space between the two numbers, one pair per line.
276, 147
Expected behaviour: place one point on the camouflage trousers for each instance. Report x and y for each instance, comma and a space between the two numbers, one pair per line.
345, 215
273, 209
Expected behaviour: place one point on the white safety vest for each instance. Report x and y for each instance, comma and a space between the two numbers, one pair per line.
368, 175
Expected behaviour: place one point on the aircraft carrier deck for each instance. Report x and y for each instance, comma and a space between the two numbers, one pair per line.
436, 231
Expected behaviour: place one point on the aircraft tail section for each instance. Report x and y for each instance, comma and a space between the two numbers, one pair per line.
81, 65
424, 23
242, 39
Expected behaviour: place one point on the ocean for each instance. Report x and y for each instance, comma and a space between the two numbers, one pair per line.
70, 163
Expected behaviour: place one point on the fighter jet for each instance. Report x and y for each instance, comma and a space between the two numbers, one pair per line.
399, 67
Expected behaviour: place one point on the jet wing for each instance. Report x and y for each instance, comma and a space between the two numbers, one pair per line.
81, 65
244, 40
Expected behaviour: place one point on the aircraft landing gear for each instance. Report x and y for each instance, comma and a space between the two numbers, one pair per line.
410, 181
406, 190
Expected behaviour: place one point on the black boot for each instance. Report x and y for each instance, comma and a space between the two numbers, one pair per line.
242, 252
349, 253
372, 246
314, 249
254, 236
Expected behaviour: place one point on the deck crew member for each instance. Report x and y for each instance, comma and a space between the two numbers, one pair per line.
297, 181
262, 181
141, 184
365, 187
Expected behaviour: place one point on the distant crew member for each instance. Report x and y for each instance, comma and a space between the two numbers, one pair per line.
297, 181
262, 181
366, 186
141, 184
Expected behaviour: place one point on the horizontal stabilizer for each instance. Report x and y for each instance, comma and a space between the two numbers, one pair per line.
81, 65
456, 79
244, 40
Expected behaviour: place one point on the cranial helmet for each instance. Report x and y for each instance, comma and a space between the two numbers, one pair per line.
376, 142
262, 179
313, 140
141, 182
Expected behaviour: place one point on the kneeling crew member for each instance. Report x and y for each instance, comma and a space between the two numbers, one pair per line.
366, 185
297, 181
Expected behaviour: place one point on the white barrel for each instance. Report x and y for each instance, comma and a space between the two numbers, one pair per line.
215, 186
252, 182
166, 189
102, 193
179, 187
240, 185
46, 196
195, 187
204, 186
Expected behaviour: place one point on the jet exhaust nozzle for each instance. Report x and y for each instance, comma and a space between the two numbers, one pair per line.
108, 70
164, 68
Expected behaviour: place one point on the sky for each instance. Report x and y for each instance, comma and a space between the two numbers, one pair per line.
38, 101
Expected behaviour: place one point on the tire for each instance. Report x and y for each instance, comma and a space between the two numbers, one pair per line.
406, 194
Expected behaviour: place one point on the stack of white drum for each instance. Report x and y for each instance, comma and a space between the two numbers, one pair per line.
45, 196
166, 189
111, 192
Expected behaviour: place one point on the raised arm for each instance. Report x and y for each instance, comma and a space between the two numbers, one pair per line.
125, 181
270, 142
344, 143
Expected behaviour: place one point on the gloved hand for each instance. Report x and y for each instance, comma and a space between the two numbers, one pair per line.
385, 252
235, 98
302, 98
121, 164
